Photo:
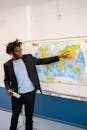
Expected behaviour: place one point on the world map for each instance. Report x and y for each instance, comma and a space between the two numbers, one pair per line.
66, 69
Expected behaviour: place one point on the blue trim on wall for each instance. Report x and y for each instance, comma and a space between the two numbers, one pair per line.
5, 100
66, 110
56, 108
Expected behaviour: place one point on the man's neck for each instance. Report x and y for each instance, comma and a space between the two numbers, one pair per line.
16, 58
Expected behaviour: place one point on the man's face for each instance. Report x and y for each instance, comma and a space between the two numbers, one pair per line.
17, 53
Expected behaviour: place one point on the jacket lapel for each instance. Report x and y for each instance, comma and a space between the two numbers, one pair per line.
11, 70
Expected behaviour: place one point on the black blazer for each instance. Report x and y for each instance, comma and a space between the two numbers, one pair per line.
30, 62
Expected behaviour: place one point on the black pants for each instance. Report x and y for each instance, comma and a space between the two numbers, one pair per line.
28, 101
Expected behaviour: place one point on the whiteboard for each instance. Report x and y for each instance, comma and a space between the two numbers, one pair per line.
66, 87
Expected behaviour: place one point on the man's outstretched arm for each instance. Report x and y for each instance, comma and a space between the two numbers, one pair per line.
49, 60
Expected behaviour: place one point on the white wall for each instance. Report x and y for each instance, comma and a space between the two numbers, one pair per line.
58, 19
3, 58
13, 24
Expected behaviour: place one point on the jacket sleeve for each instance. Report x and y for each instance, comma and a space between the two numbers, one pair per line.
6, 77
43, 61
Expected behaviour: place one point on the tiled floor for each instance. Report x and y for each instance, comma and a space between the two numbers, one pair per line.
39, 123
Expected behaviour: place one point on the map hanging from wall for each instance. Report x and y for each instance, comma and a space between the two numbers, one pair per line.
70, 71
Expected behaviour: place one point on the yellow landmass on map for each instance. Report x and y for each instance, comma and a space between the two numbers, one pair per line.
50, 78
45, 52
69, 48
77, 68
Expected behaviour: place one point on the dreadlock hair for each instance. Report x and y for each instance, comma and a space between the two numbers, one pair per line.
11, 46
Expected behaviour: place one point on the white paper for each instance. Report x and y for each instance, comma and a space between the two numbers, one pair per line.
16, 95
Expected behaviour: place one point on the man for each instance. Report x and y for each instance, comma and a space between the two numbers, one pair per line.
21, 77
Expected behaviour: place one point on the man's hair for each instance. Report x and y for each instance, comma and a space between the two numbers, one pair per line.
11, 46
